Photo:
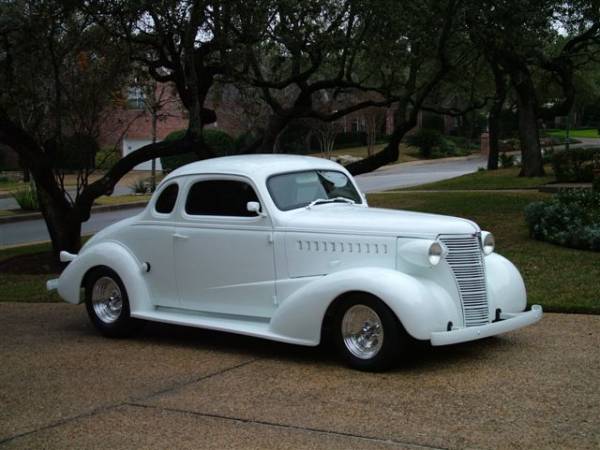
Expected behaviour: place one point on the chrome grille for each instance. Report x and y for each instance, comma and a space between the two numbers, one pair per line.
466, 261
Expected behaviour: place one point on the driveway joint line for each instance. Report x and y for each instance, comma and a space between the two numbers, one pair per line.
195, 380
288, 426
110, 407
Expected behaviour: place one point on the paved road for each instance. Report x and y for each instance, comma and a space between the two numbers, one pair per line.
413, 174
401, 175
10, 203
64, 386
36, 231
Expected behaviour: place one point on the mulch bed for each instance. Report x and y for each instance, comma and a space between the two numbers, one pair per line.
34, 264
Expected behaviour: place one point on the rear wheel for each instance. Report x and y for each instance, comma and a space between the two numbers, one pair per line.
107, 304
367, 334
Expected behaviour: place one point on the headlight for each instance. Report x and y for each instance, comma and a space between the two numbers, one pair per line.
436, 252
488, 242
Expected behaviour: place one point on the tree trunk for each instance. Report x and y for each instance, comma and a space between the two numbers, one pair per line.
63, 227
532, 164
274, 128
495, 112
494, 140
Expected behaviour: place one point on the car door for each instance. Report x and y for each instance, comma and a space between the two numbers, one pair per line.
224, 258
151, 240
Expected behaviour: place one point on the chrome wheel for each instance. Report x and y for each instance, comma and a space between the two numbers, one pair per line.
362, 331
107, 299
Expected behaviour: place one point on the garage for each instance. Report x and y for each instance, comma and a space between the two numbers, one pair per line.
131, 145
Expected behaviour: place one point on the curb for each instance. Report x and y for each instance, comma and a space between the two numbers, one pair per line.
100, 208
556, 187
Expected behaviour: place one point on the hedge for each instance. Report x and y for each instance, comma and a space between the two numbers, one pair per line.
575, 165
571, 218
218, 140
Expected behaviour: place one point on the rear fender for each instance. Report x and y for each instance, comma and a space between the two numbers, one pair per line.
114, 256
421, 306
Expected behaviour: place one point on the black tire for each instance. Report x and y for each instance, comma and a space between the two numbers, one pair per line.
104, 317
394, 340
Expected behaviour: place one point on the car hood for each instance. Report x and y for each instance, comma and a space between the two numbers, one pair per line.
356, 219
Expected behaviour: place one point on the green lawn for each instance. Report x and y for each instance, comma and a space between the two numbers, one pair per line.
28, 288
9, 185
583, 133
489, 179
560, 279
121, 199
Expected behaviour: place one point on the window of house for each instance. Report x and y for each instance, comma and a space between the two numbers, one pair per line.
220, 198
166, 201
135, 98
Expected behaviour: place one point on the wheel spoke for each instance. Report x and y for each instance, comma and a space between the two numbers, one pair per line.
362, 331
107, 299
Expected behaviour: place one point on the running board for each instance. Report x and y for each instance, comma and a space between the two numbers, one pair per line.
255, 327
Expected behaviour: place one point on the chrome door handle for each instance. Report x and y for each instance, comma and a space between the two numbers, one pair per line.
180, 236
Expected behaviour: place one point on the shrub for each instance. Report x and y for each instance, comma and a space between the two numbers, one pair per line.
350, 139
575, 165
27, 198
107, 157
507, 160
425, 140
141, 186
571, 218
218, 140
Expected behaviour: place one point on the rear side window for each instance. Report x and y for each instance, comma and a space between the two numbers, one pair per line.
166, 201
220, 198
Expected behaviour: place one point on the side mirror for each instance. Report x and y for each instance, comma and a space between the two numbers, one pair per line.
255, 208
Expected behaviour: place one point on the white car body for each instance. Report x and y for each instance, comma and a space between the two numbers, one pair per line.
275, 275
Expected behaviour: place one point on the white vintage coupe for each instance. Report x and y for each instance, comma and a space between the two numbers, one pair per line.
286, 248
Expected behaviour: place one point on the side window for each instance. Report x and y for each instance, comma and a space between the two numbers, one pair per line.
220, 198
166, 201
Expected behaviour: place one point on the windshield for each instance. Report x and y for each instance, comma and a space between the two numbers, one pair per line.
298, 189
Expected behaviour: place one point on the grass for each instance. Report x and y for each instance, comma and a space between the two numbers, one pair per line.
558, 278
121, 199
25, 288
10, 185
582, 133
493, 179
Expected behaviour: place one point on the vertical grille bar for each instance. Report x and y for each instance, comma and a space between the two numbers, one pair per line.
466, 261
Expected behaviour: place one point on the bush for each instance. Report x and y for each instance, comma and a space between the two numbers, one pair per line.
107, 157
27, 198
141, 186
575, 165
425, 140
507, 160
571, 218
221, 142
350, 139
432, 144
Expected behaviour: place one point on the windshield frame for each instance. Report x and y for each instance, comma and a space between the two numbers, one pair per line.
349, 177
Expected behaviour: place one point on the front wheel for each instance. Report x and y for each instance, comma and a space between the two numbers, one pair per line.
107, 304
368, 334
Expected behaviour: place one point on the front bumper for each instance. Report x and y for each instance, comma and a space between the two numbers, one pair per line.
508, 322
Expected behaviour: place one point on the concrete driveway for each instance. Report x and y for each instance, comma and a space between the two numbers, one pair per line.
63, 386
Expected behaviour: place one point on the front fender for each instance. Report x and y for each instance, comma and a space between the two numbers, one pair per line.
506, 289
421, 305
110, 254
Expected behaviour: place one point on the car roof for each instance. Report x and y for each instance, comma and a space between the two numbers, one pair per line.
255, 166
